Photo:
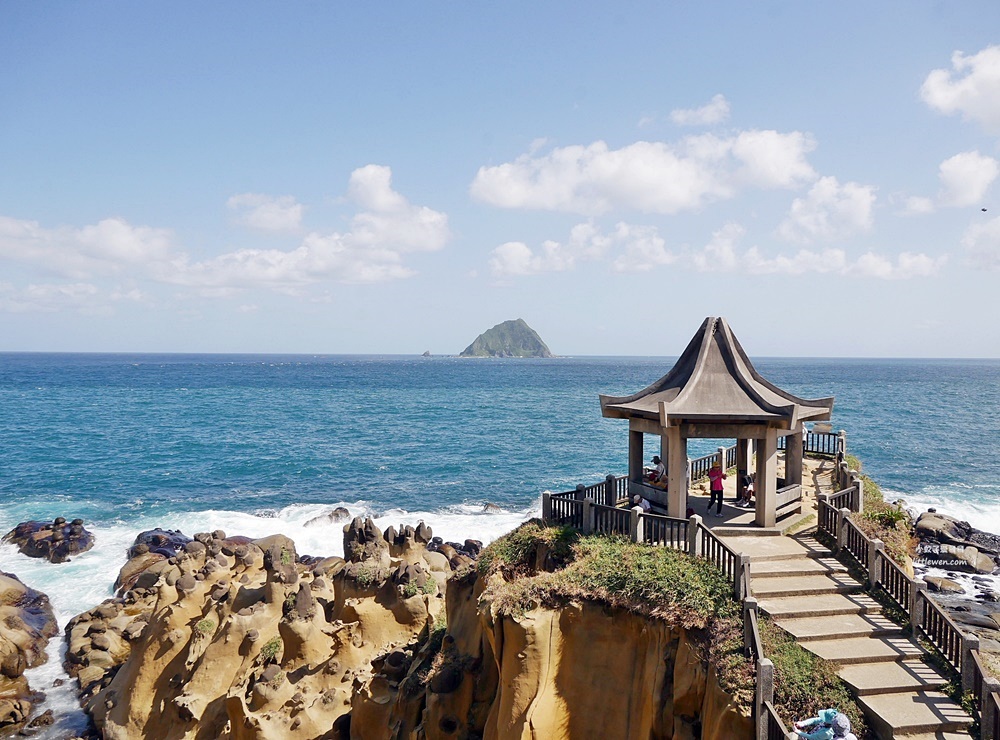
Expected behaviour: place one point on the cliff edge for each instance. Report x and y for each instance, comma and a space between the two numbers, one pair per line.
509, 339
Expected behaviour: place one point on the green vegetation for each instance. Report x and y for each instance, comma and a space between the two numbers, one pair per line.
369, 574
286, 557
205, 625
804, 683
883, 520
270, 649
653, 581
412, 589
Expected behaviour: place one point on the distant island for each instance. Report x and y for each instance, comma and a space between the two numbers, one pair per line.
509, 339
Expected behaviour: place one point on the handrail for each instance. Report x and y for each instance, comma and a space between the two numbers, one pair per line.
665, 531
896, 584
775, 727
857, 544
941, 631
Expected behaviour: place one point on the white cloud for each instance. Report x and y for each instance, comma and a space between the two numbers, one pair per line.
716, 111
266, 212
48, 297
965, 178
108, 247
632, 248
971, 87
918, 205
653, 177
382, 232
517, 258
829, 211
982, 244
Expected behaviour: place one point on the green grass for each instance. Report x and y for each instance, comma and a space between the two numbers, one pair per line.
205, 625
653, 581
804, 683
270, 649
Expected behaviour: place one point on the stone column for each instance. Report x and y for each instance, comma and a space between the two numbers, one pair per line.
765, 487
742, 464
793, 458
676, 473
635, 456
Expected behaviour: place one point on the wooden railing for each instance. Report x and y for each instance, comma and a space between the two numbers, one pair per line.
927, 618
701, 465
774, 727
664, 531
611, 520
820, 443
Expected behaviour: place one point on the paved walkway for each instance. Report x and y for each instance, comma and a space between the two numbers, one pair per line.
809, 594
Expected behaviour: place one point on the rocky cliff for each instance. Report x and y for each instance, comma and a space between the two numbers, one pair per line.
509, 339
406, 638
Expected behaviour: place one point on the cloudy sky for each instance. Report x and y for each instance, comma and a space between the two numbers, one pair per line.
398, 177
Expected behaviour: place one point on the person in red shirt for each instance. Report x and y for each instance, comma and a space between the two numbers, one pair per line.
715, 476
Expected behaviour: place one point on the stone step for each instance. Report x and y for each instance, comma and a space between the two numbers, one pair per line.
803, 566
839, 626
836, 583
866, 679
900, 715
941, 735
865, 649
776, 548
819, 606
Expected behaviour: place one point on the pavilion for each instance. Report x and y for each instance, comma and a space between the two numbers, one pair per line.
714, 392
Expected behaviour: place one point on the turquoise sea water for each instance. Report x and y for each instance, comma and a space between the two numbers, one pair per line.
261, 444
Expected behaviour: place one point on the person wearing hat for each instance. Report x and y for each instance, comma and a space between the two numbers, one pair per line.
828, 725
642, 503
658, 473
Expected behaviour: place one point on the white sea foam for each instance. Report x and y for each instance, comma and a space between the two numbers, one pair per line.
88, 579
979, 512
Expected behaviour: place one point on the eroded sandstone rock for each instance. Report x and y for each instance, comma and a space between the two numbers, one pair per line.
55, 541
26, 624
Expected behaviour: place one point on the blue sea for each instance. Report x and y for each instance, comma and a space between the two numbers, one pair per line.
258, 444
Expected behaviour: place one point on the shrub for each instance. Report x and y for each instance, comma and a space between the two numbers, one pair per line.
205, 625
270, 649
516, 552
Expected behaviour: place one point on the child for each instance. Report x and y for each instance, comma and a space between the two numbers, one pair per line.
829, 725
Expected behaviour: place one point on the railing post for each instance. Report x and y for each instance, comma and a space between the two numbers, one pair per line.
610, 494
842, 442
763, 693
859, 493
749, 606
842, 516
738, 585
987, 728
581, 492
876, 550
588, 515
916, 606
722, 458
635, 525
547, 506
969, 643
694, 524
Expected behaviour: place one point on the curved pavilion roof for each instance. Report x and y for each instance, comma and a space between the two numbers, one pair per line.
714, 381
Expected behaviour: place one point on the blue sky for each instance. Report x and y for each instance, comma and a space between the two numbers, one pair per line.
398, 177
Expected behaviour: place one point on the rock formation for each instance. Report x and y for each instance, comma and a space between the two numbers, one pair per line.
26, 624
55, 541
508, 339
232, 638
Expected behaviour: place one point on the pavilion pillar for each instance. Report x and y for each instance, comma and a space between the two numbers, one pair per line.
793, 458
742, 464
766, 485
635, 456
677, 483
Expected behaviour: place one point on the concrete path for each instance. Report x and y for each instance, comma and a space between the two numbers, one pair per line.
809, 594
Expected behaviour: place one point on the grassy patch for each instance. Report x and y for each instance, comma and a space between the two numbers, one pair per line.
205, 625
804, 683
653, 581
270, 649
884, 520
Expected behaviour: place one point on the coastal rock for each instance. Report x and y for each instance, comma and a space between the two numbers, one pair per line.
945, 585
334, 516
26, 624
55, 541
933, 526
264, 644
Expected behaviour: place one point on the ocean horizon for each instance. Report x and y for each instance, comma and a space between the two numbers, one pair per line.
262, 444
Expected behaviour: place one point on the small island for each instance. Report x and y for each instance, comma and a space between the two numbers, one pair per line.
508, 339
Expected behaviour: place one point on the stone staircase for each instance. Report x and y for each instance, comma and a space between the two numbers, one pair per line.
810, 595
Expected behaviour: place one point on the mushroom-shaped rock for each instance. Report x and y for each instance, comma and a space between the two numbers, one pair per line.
364, 541
54, 541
